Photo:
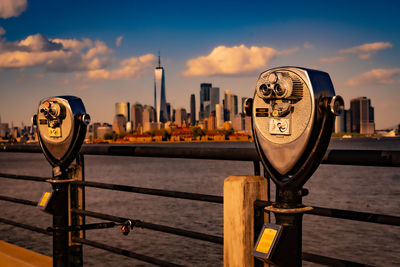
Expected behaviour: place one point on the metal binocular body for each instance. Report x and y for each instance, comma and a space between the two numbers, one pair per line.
292, 118
61, 125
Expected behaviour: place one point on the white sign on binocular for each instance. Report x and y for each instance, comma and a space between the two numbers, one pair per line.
292, 112
61, 124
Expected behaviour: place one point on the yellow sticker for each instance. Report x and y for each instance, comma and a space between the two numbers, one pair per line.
54, 132
275, 113
264, 245
44, 199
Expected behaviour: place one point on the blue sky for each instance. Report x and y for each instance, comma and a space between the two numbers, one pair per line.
105, 51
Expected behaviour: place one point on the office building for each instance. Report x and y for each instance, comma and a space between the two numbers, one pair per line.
122, 108
180, 117
119, 124
227, 105
103, 130
192, 110
204, 101
160, 103
362, 114
219, 116
169, 111
214, 99
137, 116
234, 105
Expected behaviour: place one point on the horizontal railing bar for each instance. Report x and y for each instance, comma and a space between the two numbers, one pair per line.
23, 177
379, 158
356, 216
151, 191
330, 261
154, 227
124, 252
19, 200
346, 214
25, 226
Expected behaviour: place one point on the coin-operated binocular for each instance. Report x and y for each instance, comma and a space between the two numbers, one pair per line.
61, 125
293, 113
61, 128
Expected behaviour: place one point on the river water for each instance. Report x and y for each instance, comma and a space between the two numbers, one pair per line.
369, 189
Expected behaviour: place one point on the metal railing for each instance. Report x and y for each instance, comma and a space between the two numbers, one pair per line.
342, 157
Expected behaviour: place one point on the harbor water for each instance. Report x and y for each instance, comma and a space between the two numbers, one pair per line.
358, 188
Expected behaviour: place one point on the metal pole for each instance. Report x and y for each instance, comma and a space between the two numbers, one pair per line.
77, 202
60, 201
289, 212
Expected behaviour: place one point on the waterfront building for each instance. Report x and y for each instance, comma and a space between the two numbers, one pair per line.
362, 114
212, 122
137, 116
340, 123
219, 116
234, 105
119, 124
227, 105
214, 98
204, 100
148, 114
192, 110
4, 130
168, 111
95, 126
160, 103
103, 130
180, 117
129, 126
238, 122
122, 108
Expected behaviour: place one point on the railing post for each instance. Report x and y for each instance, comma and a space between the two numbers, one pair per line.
77, 202
60, 201
240, 192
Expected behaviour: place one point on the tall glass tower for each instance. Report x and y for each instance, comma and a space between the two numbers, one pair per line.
160, 103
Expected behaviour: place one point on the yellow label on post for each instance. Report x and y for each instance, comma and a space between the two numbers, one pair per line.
264, 245
44, 199
54, 132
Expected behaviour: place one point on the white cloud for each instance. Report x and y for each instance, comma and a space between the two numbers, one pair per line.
332, 59
2, 31
129, 69
61, 55
375, 76
308, 45
118, 41
12, 8
233, 60
366, 50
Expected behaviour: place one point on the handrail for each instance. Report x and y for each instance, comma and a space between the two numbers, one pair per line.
378, 158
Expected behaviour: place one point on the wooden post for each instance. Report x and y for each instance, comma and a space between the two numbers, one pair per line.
240, 192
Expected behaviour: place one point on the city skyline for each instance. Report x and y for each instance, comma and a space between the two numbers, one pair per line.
105, 61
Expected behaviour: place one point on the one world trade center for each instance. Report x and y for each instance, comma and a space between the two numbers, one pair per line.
160, 103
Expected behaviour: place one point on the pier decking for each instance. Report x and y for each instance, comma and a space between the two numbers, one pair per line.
14, 256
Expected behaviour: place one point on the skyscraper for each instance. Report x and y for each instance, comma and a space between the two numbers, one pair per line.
362, 114
234, 105
137, 116
192, 109
227, 105
122, 108
160, 103
214, 98
204, 100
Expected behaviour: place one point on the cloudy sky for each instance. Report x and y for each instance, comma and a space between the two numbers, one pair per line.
105, 51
